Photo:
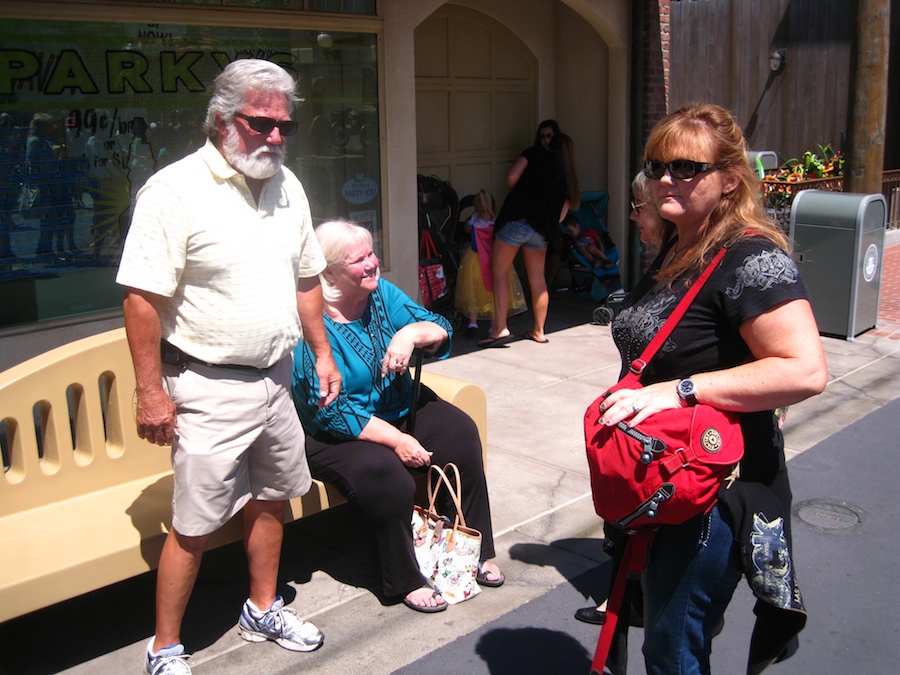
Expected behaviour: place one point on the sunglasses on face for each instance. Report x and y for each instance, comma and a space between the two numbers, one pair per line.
677, 168
637, 207
264, 125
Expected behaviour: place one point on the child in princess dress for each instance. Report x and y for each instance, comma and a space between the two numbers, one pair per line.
475, 285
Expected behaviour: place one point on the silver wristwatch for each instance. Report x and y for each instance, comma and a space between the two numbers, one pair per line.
687, 391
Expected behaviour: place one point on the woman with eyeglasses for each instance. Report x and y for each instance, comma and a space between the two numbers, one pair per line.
748, 344
544, 184
657, 235
654, 232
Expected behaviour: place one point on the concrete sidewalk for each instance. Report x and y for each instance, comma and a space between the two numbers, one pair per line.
545, 529
845, 507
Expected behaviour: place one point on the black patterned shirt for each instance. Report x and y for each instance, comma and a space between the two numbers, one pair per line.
753, 277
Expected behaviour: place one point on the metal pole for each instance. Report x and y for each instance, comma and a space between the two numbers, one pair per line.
417, 386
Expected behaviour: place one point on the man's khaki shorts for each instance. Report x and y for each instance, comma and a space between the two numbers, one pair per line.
237, 437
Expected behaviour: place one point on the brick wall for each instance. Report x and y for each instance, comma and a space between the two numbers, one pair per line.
889, 299
650, 95
656, 62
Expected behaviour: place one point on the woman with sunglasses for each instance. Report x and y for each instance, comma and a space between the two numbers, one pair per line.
544, 183
748, 344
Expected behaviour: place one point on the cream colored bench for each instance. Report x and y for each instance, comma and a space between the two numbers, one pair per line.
84, 502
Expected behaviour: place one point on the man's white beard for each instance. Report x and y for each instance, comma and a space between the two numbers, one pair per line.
258, 164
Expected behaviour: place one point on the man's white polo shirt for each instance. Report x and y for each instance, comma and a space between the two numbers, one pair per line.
226, 267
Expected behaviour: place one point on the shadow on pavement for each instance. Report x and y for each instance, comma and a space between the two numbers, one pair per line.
120, 615
531, 650
83, 628
593, 587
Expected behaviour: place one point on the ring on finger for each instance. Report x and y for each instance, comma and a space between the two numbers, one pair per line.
636, 408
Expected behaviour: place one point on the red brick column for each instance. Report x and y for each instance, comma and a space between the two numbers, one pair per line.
656, 63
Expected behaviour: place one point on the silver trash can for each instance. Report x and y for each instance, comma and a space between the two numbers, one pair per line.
839, 247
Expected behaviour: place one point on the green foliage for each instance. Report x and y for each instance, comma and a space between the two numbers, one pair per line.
779, 189
826, 164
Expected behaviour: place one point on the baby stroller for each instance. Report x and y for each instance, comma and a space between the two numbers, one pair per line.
593, 283
438, 217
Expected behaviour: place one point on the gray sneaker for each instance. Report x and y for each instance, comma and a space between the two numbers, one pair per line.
170, 661
280, 624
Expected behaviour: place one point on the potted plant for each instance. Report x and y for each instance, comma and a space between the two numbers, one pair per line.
821, 170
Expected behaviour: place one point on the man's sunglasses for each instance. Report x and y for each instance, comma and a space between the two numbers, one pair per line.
677, 168
264, 125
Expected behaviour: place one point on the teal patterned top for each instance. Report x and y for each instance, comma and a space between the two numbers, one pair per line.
358, 348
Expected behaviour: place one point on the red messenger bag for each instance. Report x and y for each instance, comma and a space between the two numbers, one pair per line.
662, 472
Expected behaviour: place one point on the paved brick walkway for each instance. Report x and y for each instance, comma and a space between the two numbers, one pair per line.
889, 300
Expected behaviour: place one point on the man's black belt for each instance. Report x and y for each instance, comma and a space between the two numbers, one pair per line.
173, 356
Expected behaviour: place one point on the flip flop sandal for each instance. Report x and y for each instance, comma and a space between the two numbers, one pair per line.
530, 336
481, 578
426, 609
491, 342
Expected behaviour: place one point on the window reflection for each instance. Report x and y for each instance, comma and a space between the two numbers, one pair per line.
89, 111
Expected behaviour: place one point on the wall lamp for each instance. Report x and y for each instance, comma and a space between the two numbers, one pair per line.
776, 60
325, 40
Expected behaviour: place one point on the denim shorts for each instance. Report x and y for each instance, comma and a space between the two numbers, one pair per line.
520, 233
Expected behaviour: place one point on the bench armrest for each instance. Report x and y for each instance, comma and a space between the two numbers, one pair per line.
466, 396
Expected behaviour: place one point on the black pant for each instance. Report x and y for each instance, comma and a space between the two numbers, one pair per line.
382, 489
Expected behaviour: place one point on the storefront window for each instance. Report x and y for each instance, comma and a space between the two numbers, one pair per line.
88, 111
332, 6
343, 6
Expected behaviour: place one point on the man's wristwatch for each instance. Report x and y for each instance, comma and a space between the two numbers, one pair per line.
687, 391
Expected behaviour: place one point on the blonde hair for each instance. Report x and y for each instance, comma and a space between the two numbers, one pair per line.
711, 128
640, 188
336, 238
484, 204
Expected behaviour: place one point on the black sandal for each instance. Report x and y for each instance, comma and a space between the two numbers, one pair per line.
481, 578
426, 609
494, 342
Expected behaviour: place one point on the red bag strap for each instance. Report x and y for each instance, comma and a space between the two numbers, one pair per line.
427, 249
639, 364
633, 559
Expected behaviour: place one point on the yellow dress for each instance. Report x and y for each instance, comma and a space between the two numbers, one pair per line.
472, 295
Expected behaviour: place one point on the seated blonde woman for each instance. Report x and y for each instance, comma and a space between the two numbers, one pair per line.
360, 443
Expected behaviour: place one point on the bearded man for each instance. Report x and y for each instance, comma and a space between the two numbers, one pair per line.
220, 269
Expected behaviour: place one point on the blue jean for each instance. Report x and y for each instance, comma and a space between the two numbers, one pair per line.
691, 574
520, 233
